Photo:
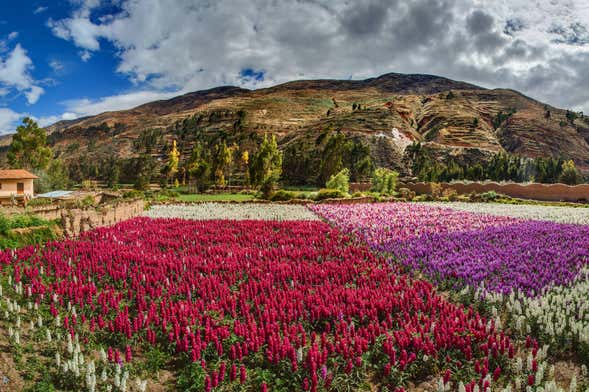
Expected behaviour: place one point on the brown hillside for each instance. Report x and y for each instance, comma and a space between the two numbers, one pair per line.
455, 118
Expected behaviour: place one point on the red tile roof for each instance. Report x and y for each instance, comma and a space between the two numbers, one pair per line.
17, 174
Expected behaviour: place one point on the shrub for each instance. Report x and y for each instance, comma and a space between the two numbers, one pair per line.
340, 181
330, 194
384, 181
489, 196
134, 194
284, 195
40, 201
406, 194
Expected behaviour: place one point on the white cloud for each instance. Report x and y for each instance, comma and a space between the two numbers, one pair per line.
15, 73
40, 10
8, 120
56, 65
12, 35
188, 45
87, 107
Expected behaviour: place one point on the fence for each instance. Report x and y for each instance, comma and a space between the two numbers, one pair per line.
546, 192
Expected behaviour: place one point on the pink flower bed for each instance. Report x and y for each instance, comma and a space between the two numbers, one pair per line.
379, 224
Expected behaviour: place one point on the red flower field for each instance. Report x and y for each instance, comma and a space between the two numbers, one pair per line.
252, 304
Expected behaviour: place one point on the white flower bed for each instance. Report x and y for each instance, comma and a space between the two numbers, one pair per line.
531, 212
560, 316
241, 211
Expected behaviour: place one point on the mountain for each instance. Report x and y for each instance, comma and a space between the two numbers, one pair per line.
388, 113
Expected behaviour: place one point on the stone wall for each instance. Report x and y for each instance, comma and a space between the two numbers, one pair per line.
76, 220
546, 192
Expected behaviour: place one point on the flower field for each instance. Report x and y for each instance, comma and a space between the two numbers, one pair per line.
576, 215
269, 298
532, 272
240, 211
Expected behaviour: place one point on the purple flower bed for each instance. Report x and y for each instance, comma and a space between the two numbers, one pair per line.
528, 256
502, 253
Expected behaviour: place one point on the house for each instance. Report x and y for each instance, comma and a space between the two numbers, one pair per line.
16, 185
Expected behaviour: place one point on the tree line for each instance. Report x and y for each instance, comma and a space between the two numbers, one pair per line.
500, 167
253, 160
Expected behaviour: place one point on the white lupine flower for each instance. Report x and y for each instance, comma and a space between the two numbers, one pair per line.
461, 387
103, 375
103, 356
573, 385
17, 338
204, 211
39, 321
529, 212
57, 359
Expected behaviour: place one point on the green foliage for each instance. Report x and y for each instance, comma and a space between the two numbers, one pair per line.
489, 196
571, 116
111, 167
570, 175
266, 166
332, 160
340, 181
145, 164
502, 117
28, 148
41, 231
384, 181
330, 194
191, 378
284, 195
56, 176
500, 167
199, 167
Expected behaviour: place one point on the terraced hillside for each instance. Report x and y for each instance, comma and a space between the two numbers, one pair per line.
386, 113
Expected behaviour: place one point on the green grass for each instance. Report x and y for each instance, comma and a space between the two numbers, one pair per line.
216, 197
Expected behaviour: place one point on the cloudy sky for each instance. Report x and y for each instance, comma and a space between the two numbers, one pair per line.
63, 59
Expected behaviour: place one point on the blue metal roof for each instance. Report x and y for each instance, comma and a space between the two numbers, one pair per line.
55, 194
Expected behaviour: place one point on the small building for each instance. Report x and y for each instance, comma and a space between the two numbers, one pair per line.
16, 186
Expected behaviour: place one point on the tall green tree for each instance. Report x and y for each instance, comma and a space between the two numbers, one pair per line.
199, 167
28, 148
266, 166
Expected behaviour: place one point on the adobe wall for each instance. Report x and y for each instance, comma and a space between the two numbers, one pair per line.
76, 220
546, 192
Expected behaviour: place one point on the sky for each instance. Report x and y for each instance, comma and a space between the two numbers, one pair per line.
64, 59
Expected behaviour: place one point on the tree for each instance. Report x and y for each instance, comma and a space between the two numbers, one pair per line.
173, 160
340, 181
266, 166
112, 169
55, 177
145, 163
570, 175
199, 167
28, 148
384, 181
